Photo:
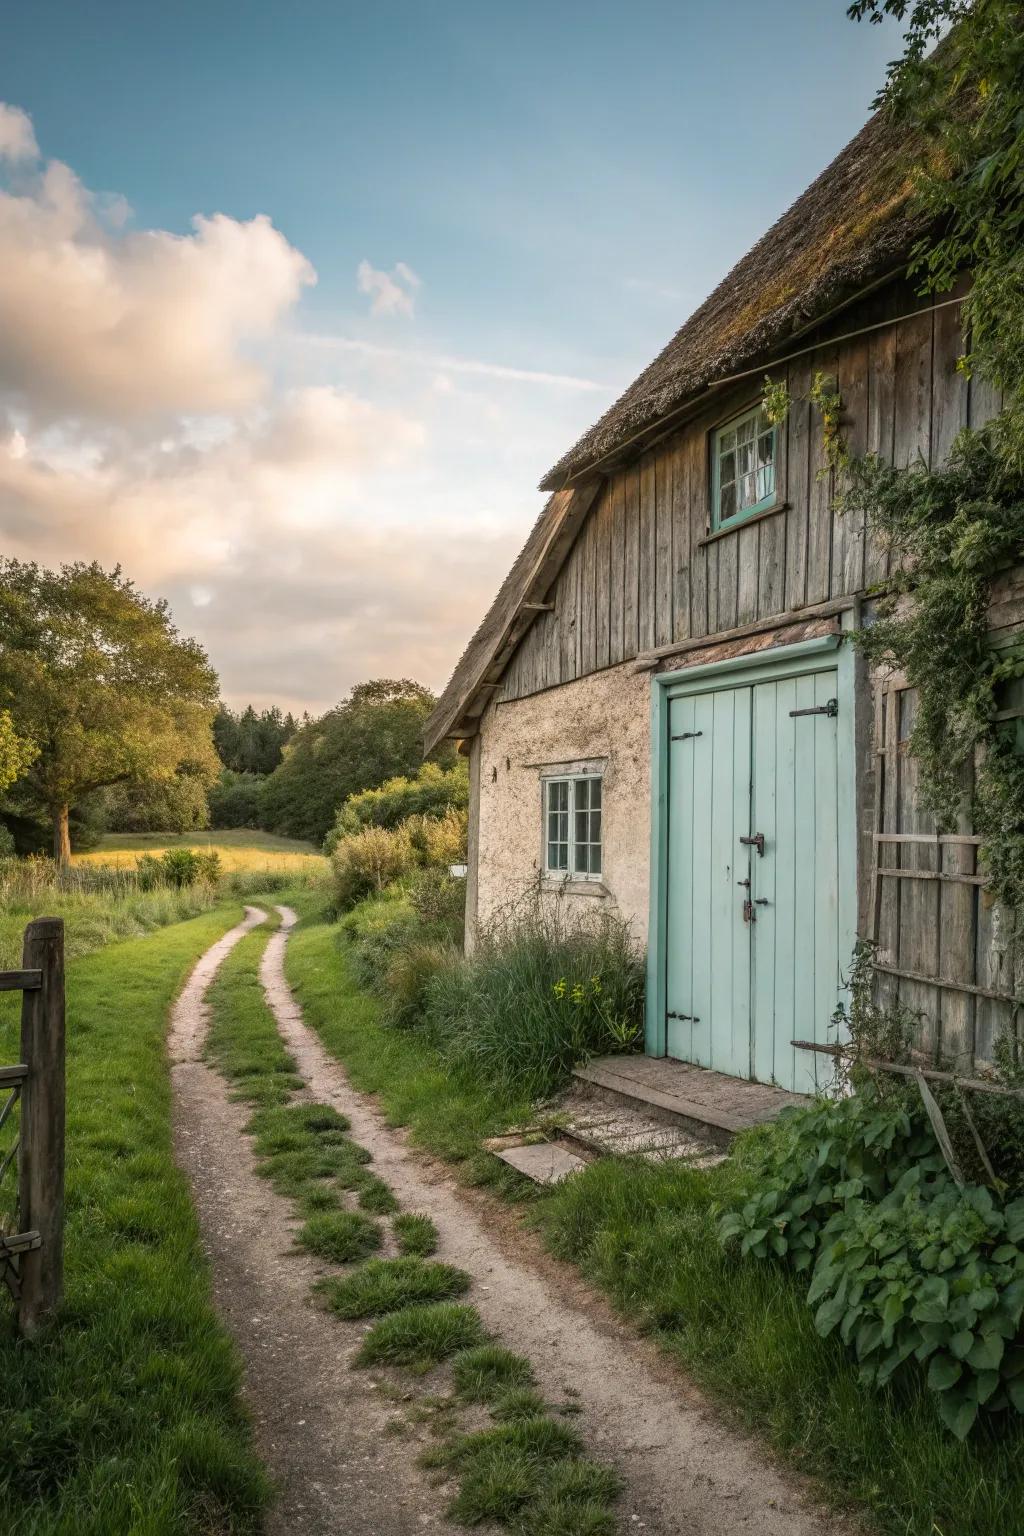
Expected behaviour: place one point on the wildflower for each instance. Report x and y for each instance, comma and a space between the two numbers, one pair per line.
578, 994
559, 988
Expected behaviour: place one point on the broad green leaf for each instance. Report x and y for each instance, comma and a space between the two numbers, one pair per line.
943, 1373
958, 1413
962, 1343
986, 1353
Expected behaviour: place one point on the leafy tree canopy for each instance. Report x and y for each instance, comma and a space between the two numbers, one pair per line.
251, 742
374, 735
99, 679
16, 753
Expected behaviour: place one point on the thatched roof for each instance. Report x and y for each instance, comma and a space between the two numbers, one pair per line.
851, 228
848, 229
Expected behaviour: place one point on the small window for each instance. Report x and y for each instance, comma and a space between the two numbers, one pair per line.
742, 468
572, 827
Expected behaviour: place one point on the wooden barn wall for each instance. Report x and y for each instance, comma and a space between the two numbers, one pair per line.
643, 572
945, 949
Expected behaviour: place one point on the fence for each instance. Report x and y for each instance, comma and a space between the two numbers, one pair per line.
32, 1165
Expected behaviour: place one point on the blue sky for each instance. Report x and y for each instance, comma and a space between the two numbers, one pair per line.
536, 195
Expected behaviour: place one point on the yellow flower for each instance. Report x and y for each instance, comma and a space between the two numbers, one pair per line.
559, 987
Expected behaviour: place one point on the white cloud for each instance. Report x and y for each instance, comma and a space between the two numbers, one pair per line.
105, 323
390, 293
17, 139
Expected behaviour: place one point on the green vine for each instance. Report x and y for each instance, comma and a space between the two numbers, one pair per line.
949, 532
824, 396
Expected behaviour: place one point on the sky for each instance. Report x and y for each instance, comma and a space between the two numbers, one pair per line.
300, 299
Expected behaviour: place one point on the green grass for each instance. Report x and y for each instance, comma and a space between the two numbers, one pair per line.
530, 1473
126, 1416
484, 1373
388, 1285
376, 1196
340, 1236
446, 1111
421, 1337
415, 1234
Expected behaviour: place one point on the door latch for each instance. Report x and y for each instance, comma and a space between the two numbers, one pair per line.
687, 735
757, 841
686, 1018
831, 709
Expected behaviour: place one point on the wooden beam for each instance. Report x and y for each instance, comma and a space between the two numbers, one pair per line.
934, 874
947, 984
975, 1084
19, 981
647, 661
42, 1124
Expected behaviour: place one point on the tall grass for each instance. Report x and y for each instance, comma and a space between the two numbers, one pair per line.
104, 903
540, 994
99, 904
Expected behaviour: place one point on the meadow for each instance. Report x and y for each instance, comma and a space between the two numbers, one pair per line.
239, 849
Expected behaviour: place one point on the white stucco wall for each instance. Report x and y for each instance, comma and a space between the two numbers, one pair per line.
603, 716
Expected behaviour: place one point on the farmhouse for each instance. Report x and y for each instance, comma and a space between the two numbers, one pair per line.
662, 710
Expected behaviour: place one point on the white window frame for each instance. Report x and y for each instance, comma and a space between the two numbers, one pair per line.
570, 872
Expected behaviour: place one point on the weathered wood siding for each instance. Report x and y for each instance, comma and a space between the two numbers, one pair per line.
945, 950
644, 573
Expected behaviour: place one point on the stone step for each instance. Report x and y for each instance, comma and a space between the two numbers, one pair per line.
545, 1162
628, 1132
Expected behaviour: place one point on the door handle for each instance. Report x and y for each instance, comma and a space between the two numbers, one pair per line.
689, 1018
757, 841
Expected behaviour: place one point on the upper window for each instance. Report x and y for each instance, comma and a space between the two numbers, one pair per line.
572, 827
743, 468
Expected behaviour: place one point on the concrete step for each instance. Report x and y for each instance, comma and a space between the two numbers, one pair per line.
708, 1106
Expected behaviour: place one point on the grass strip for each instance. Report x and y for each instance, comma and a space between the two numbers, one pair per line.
387, 1285
415, 1234
421, 1337
126, 1415
484, 1373
341, 1236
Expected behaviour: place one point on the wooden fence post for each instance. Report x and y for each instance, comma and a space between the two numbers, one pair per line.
42, 1123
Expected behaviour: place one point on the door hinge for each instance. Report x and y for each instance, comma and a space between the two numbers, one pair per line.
831, 709
687, 1018
687, 735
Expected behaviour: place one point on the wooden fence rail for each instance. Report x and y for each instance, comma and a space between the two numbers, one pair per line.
32, 1253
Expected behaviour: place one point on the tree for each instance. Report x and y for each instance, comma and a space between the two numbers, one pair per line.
16, 753
251, 742
99, 679
374, 735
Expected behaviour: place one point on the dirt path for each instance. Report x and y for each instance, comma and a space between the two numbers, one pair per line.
321, 1428
688, 1474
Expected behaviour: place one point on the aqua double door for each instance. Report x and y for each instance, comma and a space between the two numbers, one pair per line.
752, 919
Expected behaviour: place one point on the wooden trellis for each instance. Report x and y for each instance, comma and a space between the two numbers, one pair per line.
32, 1131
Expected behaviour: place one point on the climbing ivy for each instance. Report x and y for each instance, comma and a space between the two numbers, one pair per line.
949, 532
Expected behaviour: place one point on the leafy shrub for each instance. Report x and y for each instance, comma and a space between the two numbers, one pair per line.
377, 928
179, 867
372, 859
538, 995
906, 1266
432, 791
235, 800
439, 901
440, 841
